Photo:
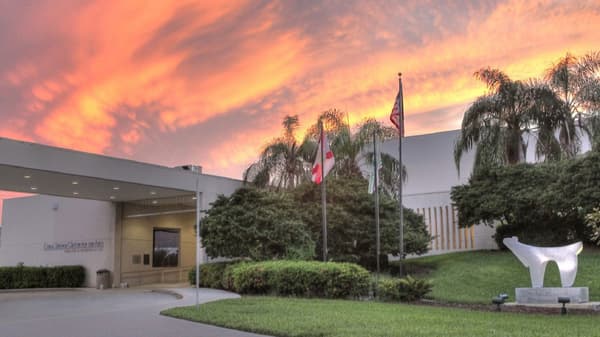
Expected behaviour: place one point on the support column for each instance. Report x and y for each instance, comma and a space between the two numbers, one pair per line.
118, 244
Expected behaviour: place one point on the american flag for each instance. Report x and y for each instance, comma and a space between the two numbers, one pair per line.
397, 115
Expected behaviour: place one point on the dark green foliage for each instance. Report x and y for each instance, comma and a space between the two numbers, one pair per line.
258, 224
351, 222
592, 220
266, 224
211, 274
406, 289
542, 204
300, 278
42, 277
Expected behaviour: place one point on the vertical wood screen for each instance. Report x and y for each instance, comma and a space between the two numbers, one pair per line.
442, 224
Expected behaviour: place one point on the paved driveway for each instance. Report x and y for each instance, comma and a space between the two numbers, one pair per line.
108, 313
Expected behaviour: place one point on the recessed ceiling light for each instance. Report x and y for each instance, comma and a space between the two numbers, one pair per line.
194, 198
154, 202
152, 192
116, 188
75, 193
75, 183
27, 177
112, 197
33, 188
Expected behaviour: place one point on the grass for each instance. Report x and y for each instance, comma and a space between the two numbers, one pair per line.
336, 318
476, 277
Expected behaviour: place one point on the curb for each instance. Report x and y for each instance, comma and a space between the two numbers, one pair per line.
167, 292
37, 290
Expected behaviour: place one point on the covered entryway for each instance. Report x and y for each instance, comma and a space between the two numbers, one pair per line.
151, 234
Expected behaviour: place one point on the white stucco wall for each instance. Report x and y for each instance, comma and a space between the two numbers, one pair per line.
31, 222
429, 162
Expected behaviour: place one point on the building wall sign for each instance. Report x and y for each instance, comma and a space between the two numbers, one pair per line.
75, 246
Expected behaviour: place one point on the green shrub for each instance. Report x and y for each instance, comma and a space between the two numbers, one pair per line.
544, 204
592, 221
211, 274
407, 289
251, 278
299, 278
41, 277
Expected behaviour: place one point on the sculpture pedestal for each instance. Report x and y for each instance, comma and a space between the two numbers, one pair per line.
551, 295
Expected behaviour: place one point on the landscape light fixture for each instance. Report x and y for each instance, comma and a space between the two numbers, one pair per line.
564, 301
499, 300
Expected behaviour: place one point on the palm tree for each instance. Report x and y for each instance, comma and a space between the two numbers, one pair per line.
498, 121
352, 149
282, 161
577, 83
345, 146
389, 165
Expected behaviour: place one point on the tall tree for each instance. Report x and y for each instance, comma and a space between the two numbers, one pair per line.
388, 178
345, 146
497, 122
353, 149
282, 161
577, 83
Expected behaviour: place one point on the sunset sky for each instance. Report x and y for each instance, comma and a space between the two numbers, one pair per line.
208, 82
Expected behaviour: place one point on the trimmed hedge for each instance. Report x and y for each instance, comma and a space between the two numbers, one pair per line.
211, 274
298, 278
407, 289
42, 277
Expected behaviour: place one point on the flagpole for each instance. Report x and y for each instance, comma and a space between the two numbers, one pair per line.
376, 190
323, 193
197, 240
400, 131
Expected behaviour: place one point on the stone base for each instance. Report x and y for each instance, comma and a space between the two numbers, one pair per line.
551, 295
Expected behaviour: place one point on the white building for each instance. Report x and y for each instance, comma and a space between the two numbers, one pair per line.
429, 161
136, 220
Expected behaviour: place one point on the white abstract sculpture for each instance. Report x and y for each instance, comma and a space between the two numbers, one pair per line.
536, 258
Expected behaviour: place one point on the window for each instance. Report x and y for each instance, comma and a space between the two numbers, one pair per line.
165, 252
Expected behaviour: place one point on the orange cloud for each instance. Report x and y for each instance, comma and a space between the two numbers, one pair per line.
123, 78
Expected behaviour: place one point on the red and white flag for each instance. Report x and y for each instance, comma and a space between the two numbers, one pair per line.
329, 160
397, 115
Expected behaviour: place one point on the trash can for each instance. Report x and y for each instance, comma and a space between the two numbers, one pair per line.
103, 279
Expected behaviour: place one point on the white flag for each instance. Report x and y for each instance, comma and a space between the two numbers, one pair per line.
329, 160
376, 161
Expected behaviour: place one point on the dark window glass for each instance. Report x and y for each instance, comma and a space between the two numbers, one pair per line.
165, 251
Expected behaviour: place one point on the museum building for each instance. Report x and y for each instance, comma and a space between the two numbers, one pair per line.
134, 219
137, 220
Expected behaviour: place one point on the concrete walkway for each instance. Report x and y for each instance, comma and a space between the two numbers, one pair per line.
108, 313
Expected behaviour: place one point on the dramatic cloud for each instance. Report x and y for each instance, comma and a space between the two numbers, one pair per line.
209, 82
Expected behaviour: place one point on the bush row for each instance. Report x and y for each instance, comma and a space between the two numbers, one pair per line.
42, 277
288, 278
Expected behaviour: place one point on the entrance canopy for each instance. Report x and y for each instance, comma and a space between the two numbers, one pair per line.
39, 169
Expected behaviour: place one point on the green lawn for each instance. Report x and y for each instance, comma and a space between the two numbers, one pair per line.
475, 277
333, 318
